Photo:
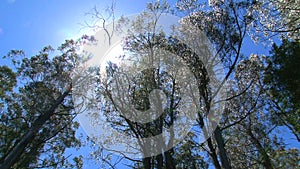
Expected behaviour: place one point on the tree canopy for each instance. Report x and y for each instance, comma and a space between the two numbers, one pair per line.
240, 126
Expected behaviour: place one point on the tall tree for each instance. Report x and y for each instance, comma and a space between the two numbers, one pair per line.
150, 46
283, 78
226, 25
245, 137
37, 116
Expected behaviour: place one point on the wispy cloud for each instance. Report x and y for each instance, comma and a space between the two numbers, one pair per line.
1, 31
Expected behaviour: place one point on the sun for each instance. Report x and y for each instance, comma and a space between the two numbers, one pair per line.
112, 55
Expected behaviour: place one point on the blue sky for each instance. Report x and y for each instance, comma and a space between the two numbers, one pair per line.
32, 24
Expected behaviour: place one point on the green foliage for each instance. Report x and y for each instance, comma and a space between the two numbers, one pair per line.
260, 99
187, 154
283, 78
42, 79
7, 80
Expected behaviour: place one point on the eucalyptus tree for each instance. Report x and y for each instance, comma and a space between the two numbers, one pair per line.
37, 111
244, 138
275, 17
227, 23
226, 26
148, 45
282, 80
141, 91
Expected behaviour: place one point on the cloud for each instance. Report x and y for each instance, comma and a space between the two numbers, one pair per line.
1, 31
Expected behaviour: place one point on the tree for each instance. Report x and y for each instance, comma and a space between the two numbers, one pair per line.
273, 17
37, 113
249, 129
245, 137
187, 154
149, 46
282, 81
227, 23
138, 91
7, 80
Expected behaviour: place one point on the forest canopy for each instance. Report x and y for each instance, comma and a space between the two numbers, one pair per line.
203, 72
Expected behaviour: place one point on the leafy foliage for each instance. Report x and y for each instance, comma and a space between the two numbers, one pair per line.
283, 80
37, 116
37, 112
273, 17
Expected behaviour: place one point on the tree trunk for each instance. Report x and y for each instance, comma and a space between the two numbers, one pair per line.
266, 159
12, 157
147, 163
160, 161
213, 154
221, 147
212, 150
170, 163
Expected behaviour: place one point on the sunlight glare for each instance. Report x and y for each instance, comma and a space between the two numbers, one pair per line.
112, 55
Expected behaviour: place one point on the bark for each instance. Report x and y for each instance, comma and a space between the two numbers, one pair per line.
159, 159
147, 163
222, 151
170, 162
213, 154
212, 150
